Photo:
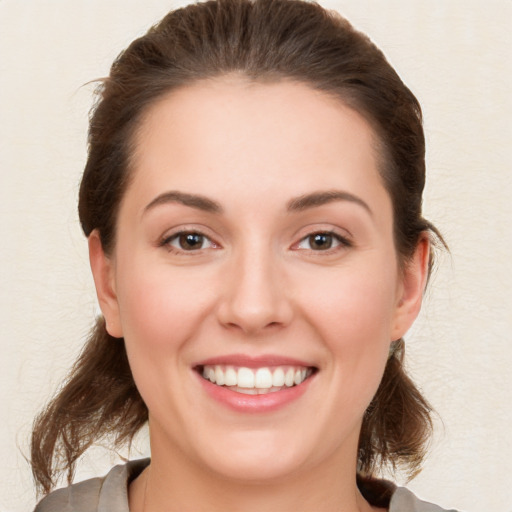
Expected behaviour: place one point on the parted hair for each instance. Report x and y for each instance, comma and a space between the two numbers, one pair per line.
265, 41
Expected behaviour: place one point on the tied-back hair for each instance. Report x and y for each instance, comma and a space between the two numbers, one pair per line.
264, 41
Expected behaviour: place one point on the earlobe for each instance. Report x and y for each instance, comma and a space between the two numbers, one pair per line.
413, 282
103, 273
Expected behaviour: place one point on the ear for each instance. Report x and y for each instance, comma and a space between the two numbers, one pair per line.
104, 279
413, 280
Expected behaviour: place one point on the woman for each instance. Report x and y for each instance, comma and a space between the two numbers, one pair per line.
252, 202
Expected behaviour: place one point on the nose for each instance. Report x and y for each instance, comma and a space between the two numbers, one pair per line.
255, 298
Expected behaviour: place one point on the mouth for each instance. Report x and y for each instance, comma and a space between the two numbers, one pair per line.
255, 381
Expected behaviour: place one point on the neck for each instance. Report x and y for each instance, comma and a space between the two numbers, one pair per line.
176, 486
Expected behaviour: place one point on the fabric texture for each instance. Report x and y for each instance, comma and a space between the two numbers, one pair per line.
110, 494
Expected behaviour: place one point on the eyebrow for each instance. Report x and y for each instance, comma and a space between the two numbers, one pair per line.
300, 203
324, 197
192, 200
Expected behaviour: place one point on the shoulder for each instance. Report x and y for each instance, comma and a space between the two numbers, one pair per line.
404, 500
387, 495
81, 497
106, 494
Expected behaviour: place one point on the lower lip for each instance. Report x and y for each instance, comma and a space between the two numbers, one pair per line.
267, 402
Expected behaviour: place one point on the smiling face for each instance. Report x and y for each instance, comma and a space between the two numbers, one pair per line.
255, 279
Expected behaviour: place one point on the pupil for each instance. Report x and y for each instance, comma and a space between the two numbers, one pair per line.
191, 241
321, 241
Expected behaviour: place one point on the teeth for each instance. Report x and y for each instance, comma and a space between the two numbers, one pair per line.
256, 381
219, 376
289, 377
247, 391
263, 378
230, 377
245, 378
278, 377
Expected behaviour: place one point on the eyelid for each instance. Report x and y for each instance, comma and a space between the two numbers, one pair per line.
171, 235
343, 241
177, 236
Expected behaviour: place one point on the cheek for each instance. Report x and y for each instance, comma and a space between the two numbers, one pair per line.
353, 314
353, 304
160, 310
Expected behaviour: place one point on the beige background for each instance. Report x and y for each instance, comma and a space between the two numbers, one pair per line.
454, 54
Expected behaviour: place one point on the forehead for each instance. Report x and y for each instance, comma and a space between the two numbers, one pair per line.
297, 108
231, 134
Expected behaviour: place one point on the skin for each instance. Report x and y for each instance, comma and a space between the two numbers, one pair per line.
256, 286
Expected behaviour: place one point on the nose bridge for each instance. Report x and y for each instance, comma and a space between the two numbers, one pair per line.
254, 297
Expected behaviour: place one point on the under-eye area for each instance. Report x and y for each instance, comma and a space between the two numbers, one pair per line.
256, 381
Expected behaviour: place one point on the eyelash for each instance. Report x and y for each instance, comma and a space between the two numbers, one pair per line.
339, 241
167, 242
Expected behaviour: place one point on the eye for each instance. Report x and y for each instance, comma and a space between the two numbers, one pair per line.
188, 241
322, 241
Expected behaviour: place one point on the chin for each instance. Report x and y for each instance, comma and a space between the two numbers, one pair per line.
250, 469
254, 457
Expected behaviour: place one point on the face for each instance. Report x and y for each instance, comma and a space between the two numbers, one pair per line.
254, 279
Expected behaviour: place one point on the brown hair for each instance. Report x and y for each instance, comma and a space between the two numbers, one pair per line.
265, 40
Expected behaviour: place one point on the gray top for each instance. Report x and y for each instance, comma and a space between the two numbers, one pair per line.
110, 494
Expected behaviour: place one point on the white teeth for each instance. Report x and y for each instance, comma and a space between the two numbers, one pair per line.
263, 378
278, 377
219, 376
256, 381
247, 391
230, 378
289, 377
245, 378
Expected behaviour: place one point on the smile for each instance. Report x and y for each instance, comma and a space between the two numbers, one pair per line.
255, 381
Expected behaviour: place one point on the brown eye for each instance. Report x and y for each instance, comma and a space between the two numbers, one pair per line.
323, 241
320, 241
188, 241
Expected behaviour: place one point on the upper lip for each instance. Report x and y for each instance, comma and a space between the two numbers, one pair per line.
243, 360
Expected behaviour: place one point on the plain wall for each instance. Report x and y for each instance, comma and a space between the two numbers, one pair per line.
453, 54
